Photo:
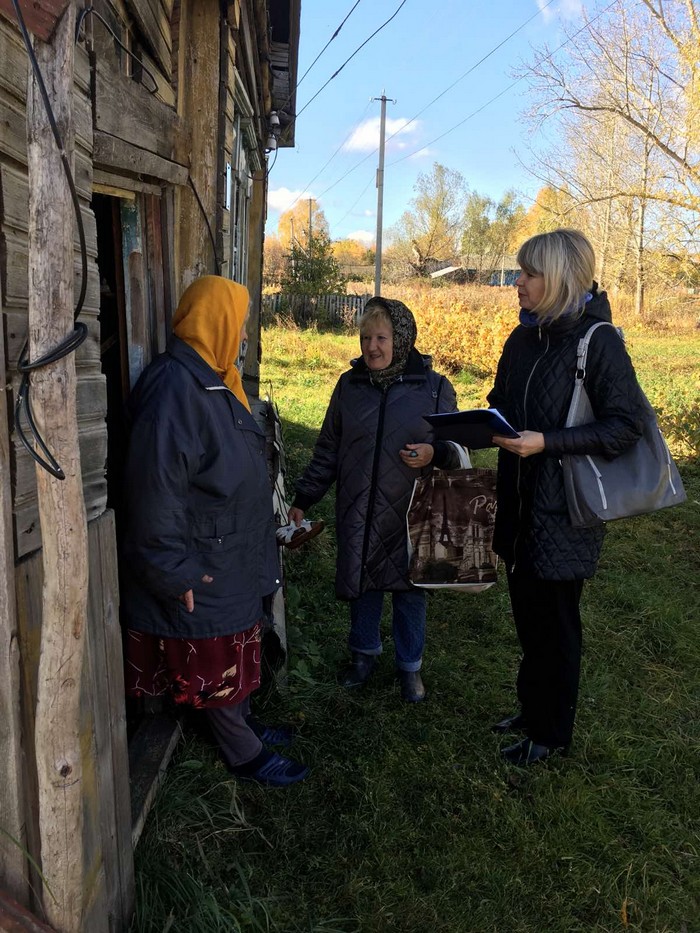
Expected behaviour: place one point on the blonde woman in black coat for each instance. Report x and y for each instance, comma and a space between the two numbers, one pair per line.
547, 560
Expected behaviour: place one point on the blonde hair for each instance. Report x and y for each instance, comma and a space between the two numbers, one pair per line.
566, 261
375, 312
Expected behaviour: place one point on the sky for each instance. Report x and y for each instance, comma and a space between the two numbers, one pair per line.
429, 50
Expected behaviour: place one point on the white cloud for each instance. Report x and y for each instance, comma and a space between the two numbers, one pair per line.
424, 153
365, 137
364, 236
281, 199
567, 9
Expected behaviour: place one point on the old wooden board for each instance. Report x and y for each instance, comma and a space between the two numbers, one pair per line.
108, 886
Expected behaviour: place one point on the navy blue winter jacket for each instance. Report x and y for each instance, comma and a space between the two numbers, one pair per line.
199, 502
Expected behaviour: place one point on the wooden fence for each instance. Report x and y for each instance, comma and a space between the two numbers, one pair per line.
319, 309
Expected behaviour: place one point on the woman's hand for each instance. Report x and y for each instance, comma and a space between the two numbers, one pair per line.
188, 597
529, 442
295, 515
417, 456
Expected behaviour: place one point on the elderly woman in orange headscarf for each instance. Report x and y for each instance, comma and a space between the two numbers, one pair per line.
199, 540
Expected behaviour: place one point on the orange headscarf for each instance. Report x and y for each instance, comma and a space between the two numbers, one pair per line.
209, 318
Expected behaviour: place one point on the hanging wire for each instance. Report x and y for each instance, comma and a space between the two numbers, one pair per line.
505, 90
350, 58
91, 11
334, 36
217, 264
355, 127
23, 405
471, 115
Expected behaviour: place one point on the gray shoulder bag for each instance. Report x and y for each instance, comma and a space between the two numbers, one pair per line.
642, 479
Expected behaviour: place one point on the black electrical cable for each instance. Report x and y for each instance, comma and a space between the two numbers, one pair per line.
217, 264
91, 11
349, 59
80, 331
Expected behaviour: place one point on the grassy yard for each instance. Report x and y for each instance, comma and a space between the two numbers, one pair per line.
410, 822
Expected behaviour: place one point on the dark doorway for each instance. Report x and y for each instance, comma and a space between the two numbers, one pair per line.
113, 342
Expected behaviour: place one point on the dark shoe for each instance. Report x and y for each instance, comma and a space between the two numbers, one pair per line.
528, 752
269, 735
412, 689
359, 671
271, 770
514, 723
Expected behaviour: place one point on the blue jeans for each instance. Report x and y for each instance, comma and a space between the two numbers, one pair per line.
408, 626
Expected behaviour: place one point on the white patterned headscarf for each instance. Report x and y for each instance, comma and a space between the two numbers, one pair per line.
404, 329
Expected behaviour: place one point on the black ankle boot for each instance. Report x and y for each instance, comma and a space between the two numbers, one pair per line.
359, 671
514, 723
412, 689
527, 752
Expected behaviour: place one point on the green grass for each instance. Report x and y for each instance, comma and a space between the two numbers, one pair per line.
409, 822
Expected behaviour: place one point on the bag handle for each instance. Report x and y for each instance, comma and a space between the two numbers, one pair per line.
465, 462
583, 344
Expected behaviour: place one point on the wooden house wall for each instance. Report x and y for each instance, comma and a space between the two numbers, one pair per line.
13, 230
109, 881
142, 149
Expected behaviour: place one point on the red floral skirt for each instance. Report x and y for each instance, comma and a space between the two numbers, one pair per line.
204, 672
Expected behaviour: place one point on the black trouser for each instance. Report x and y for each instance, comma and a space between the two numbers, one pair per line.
548, 623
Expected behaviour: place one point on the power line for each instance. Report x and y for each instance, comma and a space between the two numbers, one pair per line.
474, 67
321, 170
442, 93
336, 73
356, 202
326, 45
510, 86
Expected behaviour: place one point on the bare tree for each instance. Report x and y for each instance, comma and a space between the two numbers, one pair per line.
624, 93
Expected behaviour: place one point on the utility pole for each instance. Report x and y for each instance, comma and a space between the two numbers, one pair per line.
311, 201
380, 195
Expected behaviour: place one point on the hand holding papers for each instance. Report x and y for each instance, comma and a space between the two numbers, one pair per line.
474, 428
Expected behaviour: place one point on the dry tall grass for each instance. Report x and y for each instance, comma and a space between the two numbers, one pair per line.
466, 325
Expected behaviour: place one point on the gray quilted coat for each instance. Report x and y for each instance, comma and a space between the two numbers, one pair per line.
533, 388
358, 449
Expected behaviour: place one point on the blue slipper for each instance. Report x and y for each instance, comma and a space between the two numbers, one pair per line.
270, 735
271, 770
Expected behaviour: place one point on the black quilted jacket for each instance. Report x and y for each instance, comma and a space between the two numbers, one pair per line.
533, 388
358, 449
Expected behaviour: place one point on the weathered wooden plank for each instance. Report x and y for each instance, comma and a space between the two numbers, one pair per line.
154, 270
154, 24
93, 447
13, 141
13, 864
120, 837
87, 354
66, 859
127, 111
106, 680
150, 750
27, 527
113, 154
15, 192
125, 186
13, 55
108, 883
